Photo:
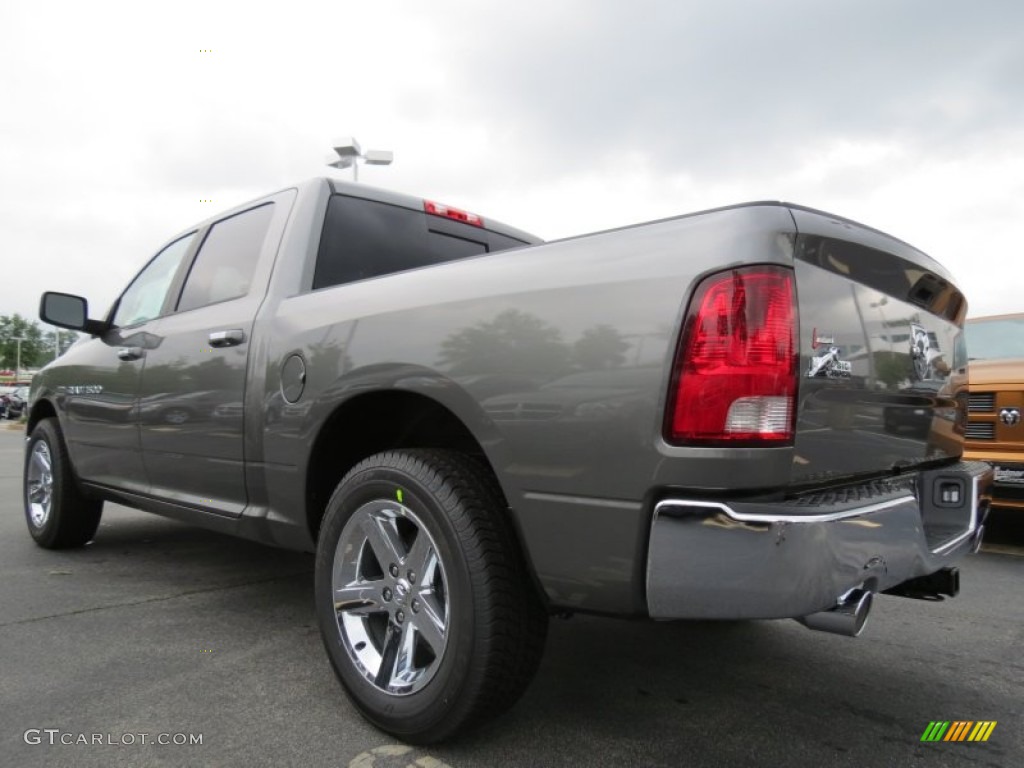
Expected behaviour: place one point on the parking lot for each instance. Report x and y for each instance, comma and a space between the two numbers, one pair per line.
159, 629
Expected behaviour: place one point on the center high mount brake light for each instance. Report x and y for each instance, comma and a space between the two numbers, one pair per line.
439, 209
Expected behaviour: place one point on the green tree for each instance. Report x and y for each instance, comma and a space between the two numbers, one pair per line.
33, 343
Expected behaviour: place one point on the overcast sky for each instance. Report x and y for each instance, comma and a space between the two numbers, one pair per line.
558, 117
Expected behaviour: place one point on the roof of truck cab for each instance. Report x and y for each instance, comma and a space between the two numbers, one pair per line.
366, 192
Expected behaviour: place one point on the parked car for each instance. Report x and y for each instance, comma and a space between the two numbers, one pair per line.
995, 432
12, 402
474, 429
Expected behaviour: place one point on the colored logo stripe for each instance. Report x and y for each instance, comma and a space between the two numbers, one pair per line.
982, 730
958, 730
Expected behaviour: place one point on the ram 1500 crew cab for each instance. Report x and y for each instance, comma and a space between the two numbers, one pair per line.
695, 418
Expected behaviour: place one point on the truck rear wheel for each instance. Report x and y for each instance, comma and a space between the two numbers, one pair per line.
59, 516
425, 606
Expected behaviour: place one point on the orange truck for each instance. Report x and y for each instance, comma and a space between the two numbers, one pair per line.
995, 432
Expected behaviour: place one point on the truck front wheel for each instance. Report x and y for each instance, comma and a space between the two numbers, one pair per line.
59, 516
425, 606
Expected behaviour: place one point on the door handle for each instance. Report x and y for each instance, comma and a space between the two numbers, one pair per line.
230, 338
130, 353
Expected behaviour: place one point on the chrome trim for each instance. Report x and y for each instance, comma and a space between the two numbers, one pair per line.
980, 430
718, 562
230, 338
586, 501
981, 402
848, 617
979, 537
754, 517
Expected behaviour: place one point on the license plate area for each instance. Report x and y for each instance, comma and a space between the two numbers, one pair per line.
1009, 474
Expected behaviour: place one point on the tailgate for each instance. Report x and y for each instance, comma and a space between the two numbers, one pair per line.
883, 379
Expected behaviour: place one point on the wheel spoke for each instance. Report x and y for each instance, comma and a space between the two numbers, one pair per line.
42, 457
358, 599
384, 540
429, 622
405, 670
392, 641
36, 493
421, 556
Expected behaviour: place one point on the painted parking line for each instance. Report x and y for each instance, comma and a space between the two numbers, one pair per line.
395, 756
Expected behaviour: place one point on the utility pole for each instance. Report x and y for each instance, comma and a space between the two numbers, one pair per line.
17, 367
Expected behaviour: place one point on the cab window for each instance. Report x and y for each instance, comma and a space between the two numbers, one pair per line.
224, 267
363, 239
145, 296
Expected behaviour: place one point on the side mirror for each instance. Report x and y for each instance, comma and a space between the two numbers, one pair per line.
67, 311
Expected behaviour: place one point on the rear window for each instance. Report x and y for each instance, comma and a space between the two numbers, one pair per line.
364, 238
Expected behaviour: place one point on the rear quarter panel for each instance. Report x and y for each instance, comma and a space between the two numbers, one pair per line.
557, 358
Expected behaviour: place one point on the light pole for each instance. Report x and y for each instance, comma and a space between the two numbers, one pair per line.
350, 153
885, 324
17, 366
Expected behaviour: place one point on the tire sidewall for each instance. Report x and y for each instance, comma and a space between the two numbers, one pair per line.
415, 712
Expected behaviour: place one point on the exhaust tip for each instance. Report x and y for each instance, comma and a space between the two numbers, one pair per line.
847, 618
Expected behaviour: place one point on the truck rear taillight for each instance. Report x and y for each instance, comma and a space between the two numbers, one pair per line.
736, 366
439, 209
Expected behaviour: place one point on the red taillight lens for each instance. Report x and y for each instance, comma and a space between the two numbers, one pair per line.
736, 367
439, 209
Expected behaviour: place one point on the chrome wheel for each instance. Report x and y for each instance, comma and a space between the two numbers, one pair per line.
390, 597
39, 487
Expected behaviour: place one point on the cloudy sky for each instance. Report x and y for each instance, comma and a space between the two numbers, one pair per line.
118, 118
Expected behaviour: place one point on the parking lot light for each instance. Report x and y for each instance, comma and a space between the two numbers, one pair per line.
350, 153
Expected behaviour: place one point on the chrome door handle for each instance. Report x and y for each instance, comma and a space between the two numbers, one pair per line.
226, 338
130, 353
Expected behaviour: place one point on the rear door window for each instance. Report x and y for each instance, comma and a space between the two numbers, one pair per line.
364, 238
227, 259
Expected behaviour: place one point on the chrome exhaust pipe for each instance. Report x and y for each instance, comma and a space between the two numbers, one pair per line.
847, 618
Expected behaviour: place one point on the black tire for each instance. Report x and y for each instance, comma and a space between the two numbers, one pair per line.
491, 627
58, 515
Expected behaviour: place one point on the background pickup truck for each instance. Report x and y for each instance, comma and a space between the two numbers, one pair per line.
995, 433
700, 417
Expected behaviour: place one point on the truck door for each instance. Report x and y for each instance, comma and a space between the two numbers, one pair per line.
101, 398
191, 397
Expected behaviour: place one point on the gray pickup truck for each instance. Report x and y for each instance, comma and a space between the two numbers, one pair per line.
755, 412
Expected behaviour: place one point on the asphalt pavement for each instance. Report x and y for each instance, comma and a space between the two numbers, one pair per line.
162, 632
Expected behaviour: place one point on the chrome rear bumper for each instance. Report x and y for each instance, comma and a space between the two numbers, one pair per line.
743, 560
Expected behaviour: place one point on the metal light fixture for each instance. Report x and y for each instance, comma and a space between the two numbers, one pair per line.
350, 153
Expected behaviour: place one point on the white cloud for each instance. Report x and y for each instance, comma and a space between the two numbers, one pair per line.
557, 118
